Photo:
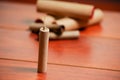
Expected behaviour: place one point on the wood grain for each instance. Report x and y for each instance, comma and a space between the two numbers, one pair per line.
17, 70
27, 14
100, 53
17, 16
94, 56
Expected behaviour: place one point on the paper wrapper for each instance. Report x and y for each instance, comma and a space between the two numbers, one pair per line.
70, 9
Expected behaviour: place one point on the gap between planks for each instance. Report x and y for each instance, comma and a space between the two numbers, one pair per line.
63, 65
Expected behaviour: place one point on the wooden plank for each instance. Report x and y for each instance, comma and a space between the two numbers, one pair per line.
90, 52
17, 70
19, 16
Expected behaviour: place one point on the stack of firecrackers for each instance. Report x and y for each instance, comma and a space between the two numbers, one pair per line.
64, 19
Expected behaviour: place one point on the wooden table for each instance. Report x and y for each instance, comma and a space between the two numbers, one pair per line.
94, 56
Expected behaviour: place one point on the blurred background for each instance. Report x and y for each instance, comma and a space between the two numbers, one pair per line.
113, 5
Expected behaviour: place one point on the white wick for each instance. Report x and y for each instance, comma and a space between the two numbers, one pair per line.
44, 27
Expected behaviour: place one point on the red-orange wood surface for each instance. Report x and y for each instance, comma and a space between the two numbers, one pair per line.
108, 28
17, 70
94, 56
20, 16
17, 16
85, 51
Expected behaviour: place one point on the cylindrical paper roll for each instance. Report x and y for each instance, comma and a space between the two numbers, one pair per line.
69, 23
66, 35
58, 29
49, 19
70, 9
72, 24
97, 17
43, 50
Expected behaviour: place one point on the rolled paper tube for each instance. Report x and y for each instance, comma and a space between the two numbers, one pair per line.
66, 35
57, 29
97, 17
72, 24
49, 19
38, 21
70, 9
69, 23
43, 50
